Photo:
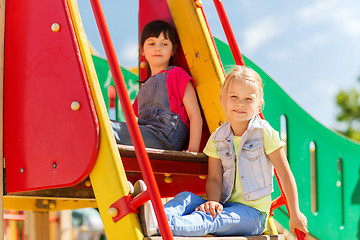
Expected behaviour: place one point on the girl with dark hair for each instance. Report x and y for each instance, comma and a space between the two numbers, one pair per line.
166, 105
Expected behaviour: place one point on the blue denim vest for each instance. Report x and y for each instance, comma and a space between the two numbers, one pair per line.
254, 167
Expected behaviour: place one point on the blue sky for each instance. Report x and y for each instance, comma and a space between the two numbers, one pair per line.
310, 48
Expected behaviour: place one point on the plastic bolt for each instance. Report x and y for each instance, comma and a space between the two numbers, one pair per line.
55, 27
75, 105
113, 212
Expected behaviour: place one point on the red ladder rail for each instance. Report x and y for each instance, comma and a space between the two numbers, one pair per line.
143, 158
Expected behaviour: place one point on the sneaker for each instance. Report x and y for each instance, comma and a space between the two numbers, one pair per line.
131, 191
147, 216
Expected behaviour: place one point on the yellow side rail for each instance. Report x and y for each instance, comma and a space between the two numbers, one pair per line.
108, 177
201, 56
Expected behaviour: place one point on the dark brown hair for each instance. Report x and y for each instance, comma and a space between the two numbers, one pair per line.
154, 29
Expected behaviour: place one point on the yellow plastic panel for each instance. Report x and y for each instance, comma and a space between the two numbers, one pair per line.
201, 57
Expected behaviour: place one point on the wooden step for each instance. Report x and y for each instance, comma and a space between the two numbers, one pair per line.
166, 161
260, 237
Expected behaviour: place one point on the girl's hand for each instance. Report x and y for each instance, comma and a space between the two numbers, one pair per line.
211, 207
188, 150
298, 221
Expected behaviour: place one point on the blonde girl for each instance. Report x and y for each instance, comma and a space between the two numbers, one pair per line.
242, 154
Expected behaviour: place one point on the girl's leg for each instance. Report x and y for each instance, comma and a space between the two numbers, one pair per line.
152, 139
181, 217
182, 204
238, 219
121, 132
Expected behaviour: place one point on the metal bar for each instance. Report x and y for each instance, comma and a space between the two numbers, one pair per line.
230, 37
134, 129
2, 62
229, 33
299, 234
140, 199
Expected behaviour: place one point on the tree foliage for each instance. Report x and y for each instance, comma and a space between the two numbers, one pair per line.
349, 103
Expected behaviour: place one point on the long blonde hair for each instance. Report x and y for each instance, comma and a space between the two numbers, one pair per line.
245, 73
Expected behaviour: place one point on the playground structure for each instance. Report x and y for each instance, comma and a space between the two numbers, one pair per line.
58, 146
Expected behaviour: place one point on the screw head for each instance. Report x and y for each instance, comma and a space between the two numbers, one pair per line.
113, 212
143, 64
75, 105
87, 183
198, 3
55, 27
168, 178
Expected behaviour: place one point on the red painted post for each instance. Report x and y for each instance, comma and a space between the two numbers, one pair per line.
229, 33
134, 129
230, 37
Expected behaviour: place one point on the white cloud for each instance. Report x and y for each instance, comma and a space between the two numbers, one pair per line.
348, 19
279, 54
312, 41
129, 54
256, 35
319, 11
341, 16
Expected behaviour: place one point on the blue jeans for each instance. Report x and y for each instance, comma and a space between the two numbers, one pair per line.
160, 129
235, 219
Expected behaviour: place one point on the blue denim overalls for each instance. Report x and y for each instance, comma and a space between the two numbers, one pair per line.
159, 126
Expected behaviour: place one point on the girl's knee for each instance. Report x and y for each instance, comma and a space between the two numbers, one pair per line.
185, 194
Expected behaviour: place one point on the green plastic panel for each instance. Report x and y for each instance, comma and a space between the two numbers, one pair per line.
337, 163
105, 80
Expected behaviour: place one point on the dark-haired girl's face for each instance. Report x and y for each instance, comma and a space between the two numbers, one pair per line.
157, 51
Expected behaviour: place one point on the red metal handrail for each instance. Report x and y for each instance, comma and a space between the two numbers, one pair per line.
133, 126
229, 33
230, 36
299, 234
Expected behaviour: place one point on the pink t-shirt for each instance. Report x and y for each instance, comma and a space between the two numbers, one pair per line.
177, 80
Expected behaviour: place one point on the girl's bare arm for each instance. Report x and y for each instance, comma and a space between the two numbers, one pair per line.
279, 160
213, 188
193, 111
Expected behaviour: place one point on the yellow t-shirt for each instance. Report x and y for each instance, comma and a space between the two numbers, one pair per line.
272, 142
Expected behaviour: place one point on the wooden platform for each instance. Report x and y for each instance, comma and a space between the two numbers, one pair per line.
261, 237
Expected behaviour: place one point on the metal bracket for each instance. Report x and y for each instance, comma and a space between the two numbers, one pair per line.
123, 207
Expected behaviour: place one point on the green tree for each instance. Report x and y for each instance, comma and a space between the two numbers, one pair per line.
349, 103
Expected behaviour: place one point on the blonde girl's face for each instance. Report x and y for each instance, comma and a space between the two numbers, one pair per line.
242, 101
158, 51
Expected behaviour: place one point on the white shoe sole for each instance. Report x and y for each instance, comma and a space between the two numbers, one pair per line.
146, 212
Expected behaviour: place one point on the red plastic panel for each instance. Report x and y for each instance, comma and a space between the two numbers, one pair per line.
150, 10
179, 183
46, 143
